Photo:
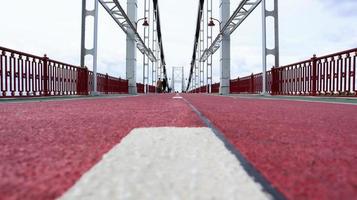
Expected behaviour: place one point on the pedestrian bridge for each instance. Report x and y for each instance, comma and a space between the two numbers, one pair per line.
204, 146
69, 132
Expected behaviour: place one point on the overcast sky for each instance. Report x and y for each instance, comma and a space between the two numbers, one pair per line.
53, 27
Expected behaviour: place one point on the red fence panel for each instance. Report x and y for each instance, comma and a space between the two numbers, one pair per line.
26, 75
215, 88
108, 84
62, 78
152, 89
140, 88
333, 74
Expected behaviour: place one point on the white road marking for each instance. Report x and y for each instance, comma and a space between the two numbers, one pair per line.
167, 163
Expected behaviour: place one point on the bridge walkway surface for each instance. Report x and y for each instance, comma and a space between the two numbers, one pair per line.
187, 146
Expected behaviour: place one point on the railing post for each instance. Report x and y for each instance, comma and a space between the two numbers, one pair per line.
314, 75
121, 85
252, 83
106, 87
238, 81
45, 75
82, 81
86, 80
274, 81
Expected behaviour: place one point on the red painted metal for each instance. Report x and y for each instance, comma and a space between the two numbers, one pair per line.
140, 88
250, 84
82, 82
152, 89
333, 74
215, 88
26, 75
107, 84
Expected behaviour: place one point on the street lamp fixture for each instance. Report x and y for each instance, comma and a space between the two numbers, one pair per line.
211, 23
145, 23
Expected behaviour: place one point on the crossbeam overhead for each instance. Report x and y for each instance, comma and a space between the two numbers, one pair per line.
244, 9
115, 10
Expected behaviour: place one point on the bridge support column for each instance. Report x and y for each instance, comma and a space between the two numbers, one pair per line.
266, 51
225, 61
132, 8
93, 51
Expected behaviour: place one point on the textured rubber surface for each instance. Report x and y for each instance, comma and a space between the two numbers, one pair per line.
47, 146
306, 150
167, 163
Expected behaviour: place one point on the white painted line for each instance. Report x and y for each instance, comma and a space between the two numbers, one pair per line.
177, 97
167, 163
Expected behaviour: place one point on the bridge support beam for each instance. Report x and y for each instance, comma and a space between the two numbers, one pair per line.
266, 51
131, 60
93, 51
225, 61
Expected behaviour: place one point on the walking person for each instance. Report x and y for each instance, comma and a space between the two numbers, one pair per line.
164, 85
159, 86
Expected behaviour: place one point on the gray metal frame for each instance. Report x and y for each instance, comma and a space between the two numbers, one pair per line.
225, 59
178, 73
84, 51
202, 49
209, 42
244, 9
154, 47
162, 64
146, 60
192, 73
274, 51
115, 10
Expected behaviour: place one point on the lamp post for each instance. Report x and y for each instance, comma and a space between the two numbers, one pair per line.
145, 23
211, 23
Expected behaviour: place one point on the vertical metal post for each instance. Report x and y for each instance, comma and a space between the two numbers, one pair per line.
154, 41
265, 51
314, 76
225, 61
95, 47
93, 52
83, 32
131, 48
209, 42
173, 79
45, 75
197, 70
147, 43
202, 49
183, 79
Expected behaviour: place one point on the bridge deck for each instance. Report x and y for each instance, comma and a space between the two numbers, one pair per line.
306, 150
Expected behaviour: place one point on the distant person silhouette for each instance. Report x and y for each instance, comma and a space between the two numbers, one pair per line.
159, 86
164, 85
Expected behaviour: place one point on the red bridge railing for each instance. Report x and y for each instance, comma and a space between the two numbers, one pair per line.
26, 75
333, 74
140, 88
152, 89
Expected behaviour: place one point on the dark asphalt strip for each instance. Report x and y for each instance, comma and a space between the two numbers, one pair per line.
248, 167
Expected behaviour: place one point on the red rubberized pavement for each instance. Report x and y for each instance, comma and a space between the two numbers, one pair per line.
306, 150
47, 146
